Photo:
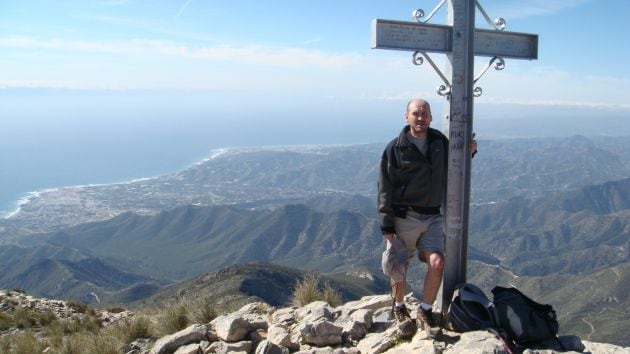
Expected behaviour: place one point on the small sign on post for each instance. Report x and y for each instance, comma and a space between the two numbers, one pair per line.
460, 41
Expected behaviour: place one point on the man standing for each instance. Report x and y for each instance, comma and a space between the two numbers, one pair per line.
411, 190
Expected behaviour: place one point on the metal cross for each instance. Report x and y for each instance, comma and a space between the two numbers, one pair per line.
460, 41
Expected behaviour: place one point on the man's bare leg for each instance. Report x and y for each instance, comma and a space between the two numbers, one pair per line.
432, 283
433, 279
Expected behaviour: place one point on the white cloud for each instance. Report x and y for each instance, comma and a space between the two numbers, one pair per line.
251, 54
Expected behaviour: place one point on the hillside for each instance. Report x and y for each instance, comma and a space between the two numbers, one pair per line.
556, 233
266, 282
187, 241
595, 306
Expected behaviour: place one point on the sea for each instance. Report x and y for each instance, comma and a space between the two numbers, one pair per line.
54, 139
58, 138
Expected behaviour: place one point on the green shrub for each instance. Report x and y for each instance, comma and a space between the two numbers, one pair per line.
331, 295
102, 343
25, 343
199, 309
85, 323
171, 319
115, 309
74, 344
131, 329
18, 290
46, 317
307, 290
24, 318
55, 332
77, 306
6, 321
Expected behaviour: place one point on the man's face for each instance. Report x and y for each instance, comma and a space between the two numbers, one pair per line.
418, 117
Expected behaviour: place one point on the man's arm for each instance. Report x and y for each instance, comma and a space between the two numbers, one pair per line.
385, 197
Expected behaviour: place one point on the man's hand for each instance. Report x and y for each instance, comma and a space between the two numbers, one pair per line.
473, 145
389, 237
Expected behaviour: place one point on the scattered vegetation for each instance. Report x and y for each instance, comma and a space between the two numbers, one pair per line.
115, 309
309, 290
78, 306
21, 343
132, 329
171, 319
24, 318
83, 332
199, 309
331, 295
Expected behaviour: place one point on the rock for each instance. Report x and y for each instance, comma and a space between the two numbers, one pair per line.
255, 308
602, 348
370, 303
285, 316
225, 348
193, 334
329, 350
378, 342
315, 311
267, 347
137, 346
188, 349
477, 342
231, 328
256, 321
353, 331
416, 347
354, 328
321, 333
279, 335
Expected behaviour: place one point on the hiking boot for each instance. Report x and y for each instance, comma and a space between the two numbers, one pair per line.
428, 322
406, 326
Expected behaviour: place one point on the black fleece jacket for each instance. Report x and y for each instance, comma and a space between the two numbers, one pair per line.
408, 178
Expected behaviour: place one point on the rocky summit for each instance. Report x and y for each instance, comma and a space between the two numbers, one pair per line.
362, 326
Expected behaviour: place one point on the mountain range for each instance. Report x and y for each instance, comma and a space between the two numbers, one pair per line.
549, 216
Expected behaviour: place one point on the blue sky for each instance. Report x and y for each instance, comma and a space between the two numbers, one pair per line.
97, 91
314, 54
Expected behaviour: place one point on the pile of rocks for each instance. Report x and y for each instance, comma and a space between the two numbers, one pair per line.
11, 300
363, 326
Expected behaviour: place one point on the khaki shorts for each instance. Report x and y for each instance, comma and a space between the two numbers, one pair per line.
415, 232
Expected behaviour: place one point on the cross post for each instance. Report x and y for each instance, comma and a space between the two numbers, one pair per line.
460, 41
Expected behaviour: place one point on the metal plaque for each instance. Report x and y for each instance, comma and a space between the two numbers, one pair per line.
401, 35
411, 36
506, 44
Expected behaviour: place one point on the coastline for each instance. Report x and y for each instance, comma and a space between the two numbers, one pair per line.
30, 196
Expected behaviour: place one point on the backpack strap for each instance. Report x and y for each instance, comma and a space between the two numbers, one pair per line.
472, 293
504, 338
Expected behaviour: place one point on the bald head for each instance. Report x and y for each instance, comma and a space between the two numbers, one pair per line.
418, 102
418, 117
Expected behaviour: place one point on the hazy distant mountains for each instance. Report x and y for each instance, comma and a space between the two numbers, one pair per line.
550, 216
574, 232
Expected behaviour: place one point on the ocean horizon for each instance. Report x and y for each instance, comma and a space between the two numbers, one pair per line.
63, 138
